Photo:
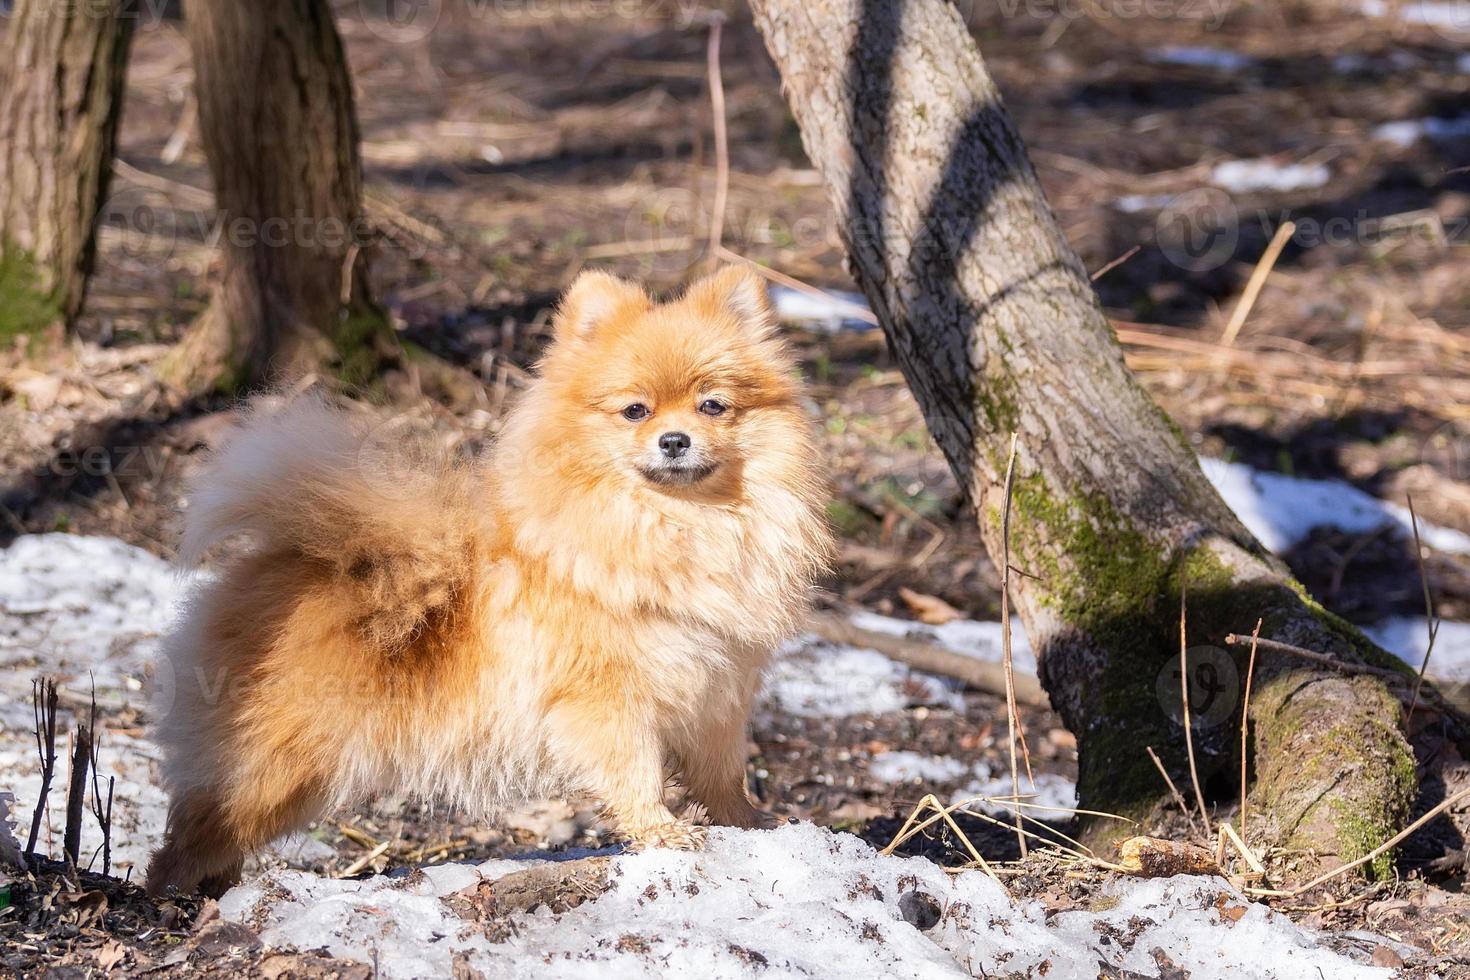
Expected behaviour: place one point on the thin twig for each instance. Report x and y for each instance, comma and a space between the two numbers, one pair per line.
1199, 796
1276, 646
722, 149
1173, 790
1013, 717
1429, 618
1245, 711
365, 860
1115, 263
102, 812
1256, 282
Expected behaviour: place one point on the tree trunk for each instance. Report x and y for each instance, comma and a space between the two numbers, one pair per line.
60, 101
994, 323
277, 122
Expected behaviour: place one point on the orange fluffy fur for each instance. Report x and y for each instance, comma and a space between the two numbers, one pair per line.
561, 618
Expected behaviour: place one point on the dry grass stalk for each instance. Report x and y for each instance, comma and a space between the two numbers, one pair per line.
362, 862
1245, 711
1013, 717
911, 826
1227, 833
101, 811
1199, 795
1429, 618
1372, 855
1173, 790
722, 149
1257, 280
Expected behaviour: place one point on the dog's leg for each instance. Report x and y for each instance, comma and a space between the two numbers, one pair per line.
619, 758
712, 764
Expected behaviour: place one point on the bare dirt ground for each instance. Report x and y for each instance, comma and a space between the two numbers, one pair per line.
519, 142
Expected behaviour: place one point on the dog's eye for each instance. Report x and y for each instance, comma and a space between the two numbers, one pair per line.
636, 412
711, 407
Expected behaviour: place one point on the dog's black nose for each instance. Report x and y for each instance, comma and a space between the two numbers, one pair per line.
674, 444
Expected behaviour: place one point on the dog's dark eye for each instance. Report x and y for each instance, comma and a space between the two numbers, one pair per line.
711, 407
636, 412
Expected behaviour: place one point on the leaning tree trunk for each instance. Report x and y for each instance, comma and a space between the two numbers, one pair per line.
277, 122
997, 329
61, 93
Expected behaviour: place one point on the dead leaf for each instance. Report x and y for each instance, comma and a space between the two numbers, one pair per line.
929, 609
111, 955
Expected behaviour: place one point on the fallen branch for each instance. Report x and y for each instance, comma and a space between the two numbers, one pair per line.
76, 795
979, 674
43, 706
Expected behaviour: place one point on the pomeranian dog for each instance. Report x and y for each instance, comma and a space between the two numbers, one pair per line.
585, 612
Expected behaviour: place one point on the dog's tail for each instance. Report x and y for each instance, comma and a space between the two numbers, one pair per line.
393, 528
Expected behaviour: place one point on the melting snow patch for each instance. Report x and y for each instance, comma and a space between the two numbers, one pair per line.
1408, 636
798, 901
1243, 176
812, 679
980, 639
78, 609
1281, 510
911, 767
838, 310
1409, 131
1135, 203
1049, 790
1194, 57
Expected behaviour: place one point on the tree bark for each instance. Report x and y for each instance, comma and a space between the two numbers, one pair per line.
277, 122
61, 93
994, 322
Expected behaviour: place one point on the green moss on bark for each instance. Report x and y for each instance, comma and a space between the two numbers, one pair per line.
358, 344
26, 309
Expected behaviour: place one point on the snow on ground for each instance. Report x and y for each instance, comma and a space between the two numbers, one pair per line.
984, 786
813, 679
1407, 132
1408, 636
915, 767
797, 901
1135, 203
838, 310
800, 900
1437, 14
1244, 176
981, 640
1195, 57
1281, 510
82, 610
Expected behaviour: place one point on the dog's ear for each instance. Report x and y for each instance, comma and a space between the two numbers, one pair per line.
593, 299
737, 291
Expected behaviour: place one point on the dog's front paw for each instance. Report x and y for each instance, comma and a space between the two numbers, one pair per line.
678, 835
